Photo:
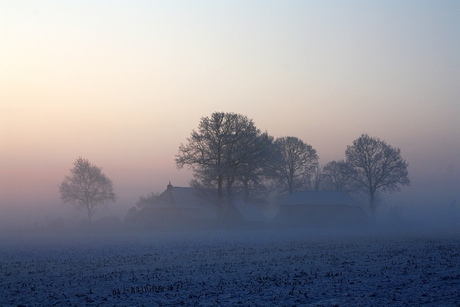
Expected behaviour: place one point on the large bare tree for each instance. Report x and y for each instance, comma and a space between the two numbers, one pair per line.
218, 150
86, 187
376, 165
295, 163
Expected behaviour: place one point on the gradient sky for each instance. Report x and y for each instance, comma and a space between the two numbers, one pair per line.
123, 83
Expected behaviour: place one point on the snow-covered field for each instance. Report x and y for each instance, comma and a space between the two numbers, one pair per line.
258, 268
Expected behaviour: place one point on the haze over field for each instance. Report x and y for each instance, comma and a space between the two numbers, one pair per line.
124, 83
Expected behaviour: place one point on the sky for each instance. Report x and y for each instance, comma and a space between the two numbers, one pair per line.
123, 84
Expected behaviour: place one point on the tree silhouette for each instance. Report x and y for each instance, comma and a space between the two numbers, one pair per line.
295, 163
336, 176
219, 150
376, 165
86, 187
256, 170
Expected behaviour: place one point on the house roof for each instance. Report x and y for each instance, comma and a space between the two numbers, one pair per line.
185, 199
196, 203
319, 198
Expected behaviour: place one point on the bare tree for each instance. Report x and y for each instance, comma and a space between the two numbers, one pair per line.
204, 152
295, 163
218, 150
86, 187
336, 176
255, 171
376, 165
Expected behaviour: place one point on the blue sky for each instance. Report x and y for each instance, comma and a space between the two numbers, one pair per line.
123, 83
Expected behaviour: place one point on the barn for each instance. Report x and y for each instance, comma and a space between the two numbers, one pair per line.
320, 209
179, 207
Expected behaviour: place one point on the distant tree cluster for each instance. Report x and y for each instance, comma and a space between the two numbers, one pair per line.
230, 154
226, 148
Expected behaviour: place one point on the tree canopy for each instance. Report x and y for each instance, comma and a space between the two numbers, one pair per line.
336, 176
375, 165
227, 151
294, 164
86, 187
221, 151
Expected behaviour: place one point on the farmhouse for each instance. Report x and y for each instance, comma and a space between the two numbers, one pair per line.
186, 206
320, 209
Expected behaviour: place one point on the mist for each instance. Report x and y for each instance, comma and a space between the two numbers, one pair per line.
123, 84
230, 266
52, 256
430, 203
425, 214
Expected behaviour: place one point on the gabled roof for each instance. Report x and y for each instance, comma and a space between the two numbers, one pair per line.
180, 197
319, 198
201, 203
187, 200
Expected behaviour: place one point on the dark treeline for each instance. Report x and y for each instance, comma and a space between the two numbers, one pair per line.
229, 154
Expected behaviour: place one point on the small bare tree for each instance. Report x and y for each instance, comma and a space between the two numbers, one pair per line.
86, 187
254, 171
337, 176
295, 163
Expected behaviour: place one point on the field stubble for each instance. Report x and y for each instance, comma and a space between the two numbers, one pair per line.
231, 269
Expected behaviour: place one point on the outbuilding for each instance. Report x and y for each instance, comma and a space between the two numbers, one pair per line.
179, 207
320, 209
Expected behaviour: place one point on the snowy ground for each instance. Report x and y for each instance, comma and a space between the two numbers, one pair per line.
260, 268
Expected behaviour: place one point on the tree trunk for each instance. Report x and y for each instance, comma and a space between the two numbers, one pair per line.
229, 211
246, 190
372, 207
89, 216
290, 185
219, 196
